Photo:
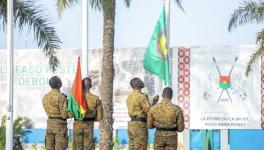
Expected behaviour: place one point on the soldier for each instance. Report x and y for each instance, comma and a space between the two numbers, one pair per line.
83, 129
138, 107
54, 104
168, 120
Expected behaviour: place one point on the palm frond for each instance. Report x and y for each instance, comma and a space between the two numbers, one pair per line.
19, 128
28, 123
249, 12
63, 4
3, 13
27, 13
255, 56
260, 37
106, 6
97, 4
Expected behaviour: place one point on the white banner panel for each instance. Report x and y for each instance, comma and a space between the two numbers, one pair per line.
32, 74
222, 97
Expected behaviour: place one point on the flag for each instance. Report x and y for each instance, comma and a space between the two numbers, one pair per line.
224, 82
208, 140
76, 101
156, 59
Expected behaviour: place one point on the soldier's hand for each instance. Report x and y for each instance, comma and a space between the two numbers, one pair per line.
155, 100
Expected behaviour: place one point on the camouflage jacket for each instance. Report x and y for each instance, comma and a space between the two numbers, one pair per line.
54, 104
165, 115
138, 104
94, 106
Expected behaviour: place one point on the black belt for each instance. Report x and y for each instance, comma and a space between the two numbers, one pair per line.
165, 129
57, 118
89, 119
140, 119
86, 119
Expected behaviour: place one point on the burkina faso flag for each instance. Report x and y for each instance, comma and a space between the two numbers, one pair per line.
76, 101
224, 82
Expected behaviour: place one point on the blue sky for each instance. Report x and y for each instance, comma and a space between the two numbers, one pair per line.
205, 23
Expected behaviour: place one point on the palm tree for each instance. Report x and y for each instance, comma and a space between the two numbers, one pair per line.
28, 14
21, 129
108, 8
250, 12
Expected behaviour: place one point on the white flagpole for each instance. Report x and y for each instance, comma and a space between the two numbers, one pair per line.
167, 16
160, 83
186, 133
84, 38
10, 51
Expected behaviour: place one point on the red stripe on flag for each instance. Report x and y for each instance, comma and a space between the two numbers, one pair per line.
77, 87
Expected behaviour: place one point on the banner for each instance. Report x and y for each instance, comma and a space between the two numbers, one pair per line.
210, 85
32, 75
221, 96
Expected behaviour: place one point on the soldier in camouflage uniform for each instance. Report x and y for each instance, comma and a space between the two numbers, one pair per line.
54, 104
138, 106
83, 129
168, 120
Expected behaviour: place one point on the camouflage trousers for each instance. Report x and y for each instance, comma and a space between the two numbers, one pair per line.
138, 135
56, 136
165, 140
83, 138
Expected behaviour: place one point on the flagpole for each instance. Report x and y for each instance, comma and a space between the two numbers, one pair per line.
85, 38
160, 83
186, 133
167, 16
10, 51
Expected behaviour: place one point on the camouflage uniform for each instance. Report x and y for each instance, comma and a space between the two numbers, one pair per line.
168, 119
83, 130
138, 106
54, 104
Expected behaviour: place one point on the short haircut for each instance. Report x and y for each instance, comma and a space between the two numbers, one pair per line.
88, 79
55, 82
167, 92
135, 83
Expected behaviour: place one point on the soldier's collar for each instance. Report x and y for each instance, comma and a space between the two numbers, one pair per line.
55, 90
136, 90
166, 100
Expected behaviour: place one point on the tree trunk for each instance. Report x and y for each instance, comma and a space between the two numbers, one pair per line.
106, 125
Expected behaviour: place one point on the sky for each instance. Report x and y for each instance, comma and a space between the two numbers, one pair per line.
204, 22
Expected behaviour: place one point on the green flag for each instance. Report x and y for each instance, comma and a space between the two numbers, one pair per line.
156, 59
